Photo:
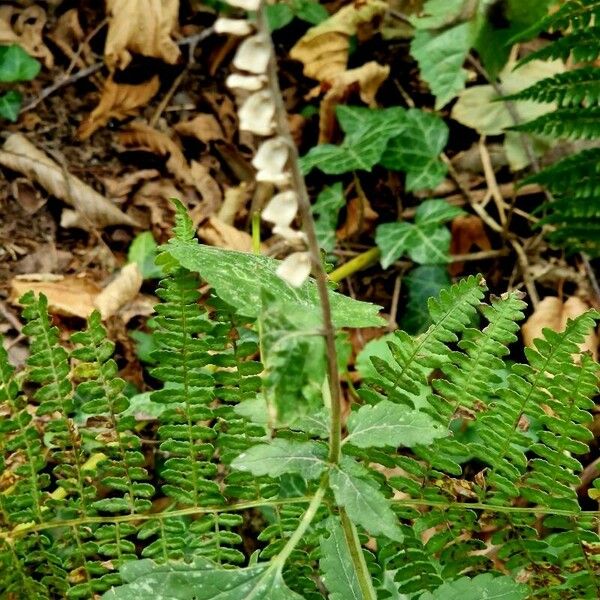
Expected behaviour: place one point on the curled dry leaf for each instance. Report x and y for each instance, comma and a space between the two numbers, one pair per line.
367, 78
203, 127
253, 54
467, 231
233, 26
553, 313
324, 48
20, 155
120, 291
223, 235
295, 268
27, 195
142, 27
69, 37
207, 186
25, 27
141, 135
257, 113
69, 296
359, 217
118, 100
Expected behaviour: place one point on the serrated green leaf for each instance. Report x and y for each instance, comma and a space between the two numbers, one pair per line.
143, 251
17, 65
201, 580
483, 586
391, 424
365, 504
326, 208
238, 278
337, 570
308, 459
10, 105
416, 150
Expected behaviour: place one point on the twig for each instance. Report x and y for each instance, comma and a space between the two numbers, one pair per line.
395, 299
490, 178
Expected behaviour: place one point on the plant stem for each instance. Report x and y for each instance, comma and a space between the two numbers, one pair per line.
304, 208
358, 263
358, 558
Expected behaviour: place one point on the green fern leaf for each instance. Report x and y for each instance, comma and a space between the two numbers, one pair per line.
483, 586
568, 123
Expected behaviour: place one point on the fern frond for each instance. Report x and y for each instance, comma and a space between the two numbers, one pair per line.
567, 123
582, 45
572, 88
573, 14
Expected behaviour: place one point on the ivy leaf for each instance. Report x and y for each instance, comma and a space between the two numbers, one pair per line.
483, 586
278, 15
201, 580
238, 278
17, 65
328, 205
10, 105
308, 459
337, 571
311, 11
143, 251
365, 504
417, 150
423, 282
426, 240
390, 424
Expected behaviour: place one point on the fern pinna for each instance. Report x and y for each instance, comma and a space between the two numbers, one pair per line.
458, 474
573, 214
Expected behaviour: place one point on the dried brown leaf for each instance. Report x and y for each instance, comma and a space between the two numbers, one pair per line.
20, 155
467, 231
203, 127
142, 27
207, 186
118, 100
69, 37
217, 233
121, 290
359, 217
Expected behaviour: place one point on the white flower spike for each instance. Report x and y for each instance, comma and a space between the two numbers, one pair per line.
290, 235
250, 83
257, 114
245, 4
233, 26
281, 209
253, 54
295, 268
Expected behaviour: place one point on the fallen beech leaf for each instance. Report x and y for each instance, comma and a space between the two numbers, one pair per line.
69, 296
70, 38
143, 27
367, 78
20, 155
203, 127
120, 188
217, 233
553, 313
121, 290
323, 49
25, 27
118, 100
359, 217
143, 136
207, 186
233, 200
467, 231
27, 195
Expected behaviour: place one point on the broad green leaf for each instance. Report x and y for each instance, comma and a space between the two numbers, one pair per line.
422, 282
482, 586
438, 14
201, 580
238, 278
308, 459
337, 570
377, 347
432, 213
391, 424
17, 65
278, 15
363, 501
416, 150
145, 345
310, 11
356, 118
326, 208
10, 105
393, 239
143, 251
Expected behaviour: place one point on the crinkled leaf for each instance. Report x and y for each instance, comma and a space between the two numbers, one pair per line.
485, 586
417, 150
201, 580
337, 570
391, 424
328, 205
10, 105
308, 459
17, 65
365, 504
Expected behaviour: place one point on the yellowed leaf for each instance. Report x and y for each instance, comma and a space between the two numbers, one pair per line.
69, 296
121, 290
553, 313
143, 136
142, 27
323, 49
20, 155
118, 100
203, 127
217, 233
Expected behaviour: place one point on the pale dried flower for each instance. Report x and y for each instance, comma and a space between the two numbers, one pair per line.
233, 26
272, 155
293, 236
295, 268
257, 114
281, 209
245, 4
251, 83
253, 54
